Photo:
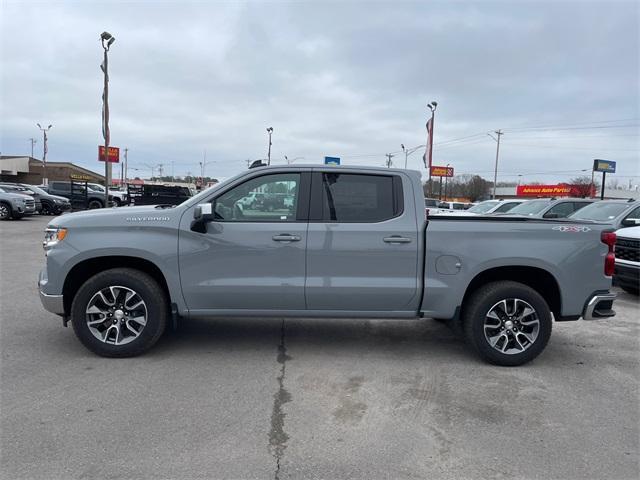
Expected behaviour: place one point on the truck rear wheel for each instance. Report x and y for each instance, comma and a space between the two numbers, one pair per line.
507, 323
119, 313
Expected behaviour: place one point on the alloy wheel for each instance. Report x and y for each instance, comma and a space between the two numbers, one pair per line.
511, 326
116, 315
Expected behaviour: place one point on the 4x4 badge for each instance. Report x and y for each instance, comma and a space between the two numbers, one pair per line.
571, 228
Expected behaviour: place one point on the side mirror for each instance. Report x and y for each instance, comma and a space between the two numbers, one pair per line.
203, 213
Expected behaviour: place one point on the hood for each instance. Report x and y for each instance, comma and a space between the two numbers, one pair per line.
118, 216
21, 196
629, 232
57, 197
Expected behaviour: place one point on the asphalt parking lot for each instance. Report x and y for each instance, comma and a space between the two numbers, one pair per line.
263, 398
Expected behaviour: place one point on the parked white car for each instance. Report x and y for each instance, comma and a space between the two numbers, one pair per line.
484, 208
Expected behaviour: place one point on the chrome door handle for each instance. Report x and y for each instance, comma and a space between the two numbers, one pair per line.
396, 239
285, 237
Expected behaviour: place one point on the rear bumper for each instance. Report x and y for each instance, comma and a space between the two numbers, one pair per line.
599, 306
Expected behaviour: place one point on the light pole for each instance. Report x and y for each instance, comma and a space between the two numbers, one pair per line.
446, 183
45, 181
430, 129
290, 161
107, 40
33, 142
269, 131
409, 151
495, 171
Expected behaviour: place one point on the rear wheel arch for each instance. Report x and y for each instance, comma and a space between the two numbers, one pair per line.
86, 269
541, 280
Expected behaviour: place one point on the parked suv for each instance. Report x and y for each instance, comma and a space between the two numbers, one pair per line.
46, 204
627, 250
19, 189
15, 205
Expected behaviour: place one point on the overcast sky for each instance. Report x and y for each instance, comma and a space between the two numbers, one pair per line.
347, 79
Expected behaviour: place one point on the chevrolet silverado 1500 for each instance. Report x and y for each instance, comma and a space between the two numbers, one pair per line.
352, 242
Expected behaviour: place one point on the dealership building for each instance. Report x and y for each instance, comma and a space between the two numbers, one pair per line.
30, 170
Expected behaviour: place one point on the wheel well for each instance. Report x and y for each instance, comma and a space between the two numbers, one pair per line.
540, 280
86, 269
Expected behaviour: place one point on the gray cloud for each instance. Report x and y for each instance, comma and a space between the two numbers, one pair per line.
350, 79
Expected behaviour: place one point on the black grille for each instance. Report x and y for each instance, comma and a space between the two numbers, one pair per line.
628, 249
30, 203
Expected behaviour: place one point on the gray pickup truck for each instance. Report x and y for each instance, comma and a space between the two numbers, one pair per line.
352, 243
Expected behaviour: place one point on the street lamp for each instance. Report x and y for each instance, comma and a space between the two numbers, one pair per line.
269, 131
290, 161
45, 181
107, 40
409, 151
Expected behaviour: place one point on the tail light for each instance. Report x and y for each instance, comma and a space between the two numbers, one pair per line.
609, 239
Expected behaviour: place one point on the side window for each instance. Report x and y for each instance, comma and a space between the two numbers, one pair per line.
269, 198
458, 206
505, 207
62, 187
578, 205
560, 210
634, 215
360, 198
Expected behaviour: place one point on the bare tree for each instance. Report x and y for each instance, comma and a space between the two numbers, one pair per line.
582, 186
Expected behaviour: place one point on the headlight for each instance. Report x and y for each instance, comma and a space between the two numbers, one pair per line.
58, 201
53, 236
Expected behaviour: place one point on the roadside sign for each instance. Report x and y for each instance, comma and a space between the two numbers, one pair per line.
606, 166
441, 171
332, 160
114, 154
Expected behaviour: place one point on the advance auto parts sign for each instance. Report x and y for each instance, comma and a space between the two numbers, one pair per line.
544, 190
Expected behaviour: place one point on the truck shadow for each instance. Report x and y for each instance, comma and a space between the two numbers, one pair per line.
400, 337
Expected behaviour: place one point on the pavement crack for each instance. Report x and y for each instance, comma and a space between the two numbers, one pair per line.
277, 435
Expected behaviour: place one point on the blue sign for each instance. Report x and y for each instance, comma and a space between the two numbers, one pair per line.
606, 166
332, 160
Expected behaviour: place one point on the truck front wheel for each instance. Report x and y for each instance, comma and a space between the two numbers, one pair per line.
507, 323
120, 312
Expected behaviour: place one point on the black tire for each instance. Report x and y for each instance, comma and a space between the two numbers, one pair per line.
47, 209
5, 211
93, 204
116, 201
148, 290
479, 305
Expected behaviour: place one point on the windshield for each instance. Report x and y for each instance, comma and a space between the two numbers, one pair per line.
530, 208
483, 207
600, 211
37, 190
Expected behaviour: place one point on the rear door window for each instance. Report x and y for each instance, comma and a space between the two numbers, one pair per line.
350, 197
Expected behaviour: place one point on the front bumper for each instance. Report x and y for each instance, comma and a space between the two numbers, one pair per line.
51, 303
599, 306
626, 274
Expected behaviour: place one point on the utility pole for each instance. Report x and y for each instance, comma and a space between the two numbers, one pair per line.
126, 165
389, 162
107, 40
45, 181
173, 178
33, 142
446, 183
406, 155
495, 171
269, 131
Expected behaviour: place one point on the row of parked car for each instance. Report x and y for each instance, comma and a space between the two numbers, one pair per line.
19, 199
622, 215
